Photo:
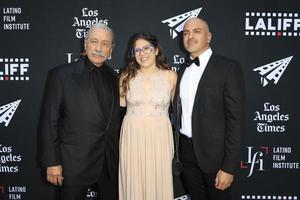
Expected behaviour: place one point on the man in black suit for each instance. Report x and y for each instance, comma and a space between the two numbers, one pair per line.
80, 121
209, 103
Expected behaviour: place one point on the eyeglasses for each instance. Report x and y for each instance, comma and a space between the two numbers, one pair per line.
146, 49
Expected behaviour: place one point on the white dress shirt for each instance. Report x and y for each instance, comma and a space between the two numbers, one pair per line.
188, 87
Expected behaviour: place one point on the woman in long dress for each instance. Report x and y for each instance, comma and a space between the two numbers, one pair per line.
147, 86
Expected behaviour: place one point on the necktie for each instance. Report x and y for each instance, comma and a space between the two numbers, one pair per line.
189, 61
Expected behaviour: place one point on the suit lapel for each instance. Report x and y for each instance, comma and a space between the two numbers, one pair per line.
204, 76
177, 91
177, 101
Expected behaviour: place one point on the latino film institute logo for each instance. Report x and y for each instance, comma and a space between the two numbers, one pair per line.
13, 19
255, 160
272, 24
260, 159
7, 112
14, 69
176, 23
87, 18
12, 192
272, 71
264, 158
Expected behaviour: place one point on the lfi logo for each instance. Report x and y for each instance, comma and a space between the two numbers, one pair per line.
255, 158
176, 23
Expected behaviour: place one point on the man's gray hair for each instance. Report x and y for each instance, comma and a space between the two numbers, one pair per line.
99, 26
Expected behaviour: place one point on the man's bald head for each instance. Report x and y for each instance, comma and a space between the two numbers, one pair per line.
197, 20
196, 36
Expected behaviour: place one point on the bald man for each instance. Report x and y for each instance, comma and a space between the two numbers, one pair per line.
209, 102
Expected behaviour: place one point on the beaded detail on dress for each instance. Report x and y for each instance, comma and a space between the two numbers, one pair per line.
148, 95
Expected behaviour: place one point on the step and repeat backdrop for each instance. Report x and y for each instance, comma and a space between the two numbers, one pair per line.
263, 35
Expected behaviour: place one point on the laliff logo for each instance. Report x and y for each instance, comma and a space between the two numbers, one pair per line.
176, 23
273, 71
14, 69
7, 112
255, 160
272, 24
86, 20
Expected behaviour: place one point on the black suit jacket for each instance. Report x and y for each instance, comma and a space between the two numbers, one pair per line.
70, 124
217, 116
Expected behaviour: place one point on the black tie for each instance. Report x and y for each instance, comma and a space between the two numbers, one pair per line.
188, 62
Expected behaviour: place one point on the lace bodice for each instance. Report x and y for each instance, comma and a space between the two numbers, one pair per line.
149, 94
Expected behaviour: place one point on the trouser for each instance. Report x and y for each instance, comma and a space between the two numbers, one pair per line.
198, 184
